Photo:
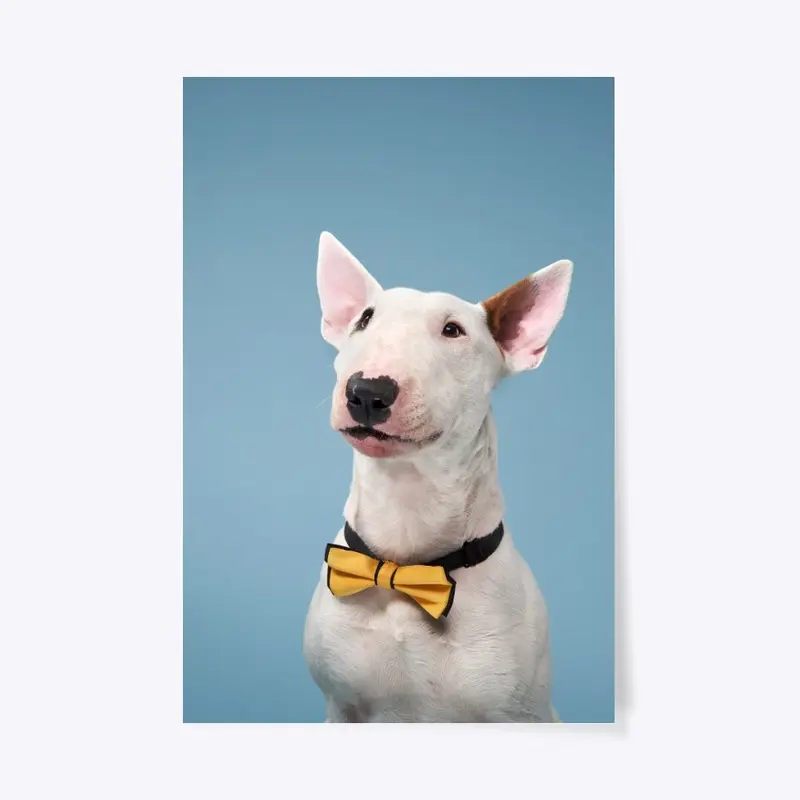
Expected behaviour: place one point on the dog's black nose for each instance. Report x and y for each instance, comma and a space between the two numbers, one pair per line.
369, 399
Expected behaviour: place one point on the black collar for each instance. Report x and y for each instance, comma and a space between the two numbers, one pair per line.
468, 555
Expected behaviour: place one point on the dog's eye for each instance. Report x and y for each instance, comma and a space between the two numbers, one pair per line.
452, 330
364, 319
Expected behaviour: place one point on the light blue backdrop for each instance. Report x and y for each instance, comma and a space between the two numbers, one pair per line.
456, 185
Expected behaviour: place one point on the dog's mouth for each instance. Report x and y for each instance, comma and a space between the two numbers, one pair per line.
362, 432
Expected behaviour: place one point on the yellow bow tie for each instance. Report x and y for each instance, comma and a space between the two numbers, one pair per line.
350, 572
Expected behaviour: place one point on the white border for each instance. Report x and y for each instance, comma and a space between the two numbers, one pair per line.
91, 424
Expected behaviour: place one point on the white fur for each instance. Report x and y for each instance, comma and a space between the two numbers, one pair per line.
377, 656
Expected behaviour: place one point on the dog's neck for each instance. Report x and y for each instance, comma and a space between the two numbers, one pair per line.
417, 509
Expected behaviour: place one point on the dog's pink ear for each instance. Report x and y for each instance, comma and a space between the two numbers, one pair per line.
523, 317
345, 288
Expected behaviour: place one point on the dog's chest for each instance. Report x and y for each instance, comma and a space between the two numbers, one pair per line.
380, 638
382, 657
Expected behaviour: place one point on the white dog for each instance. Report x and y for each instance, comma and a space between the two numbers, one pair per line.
425, 611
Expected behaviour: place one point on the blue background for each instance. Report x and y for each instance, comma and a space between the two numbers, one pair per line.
456, 185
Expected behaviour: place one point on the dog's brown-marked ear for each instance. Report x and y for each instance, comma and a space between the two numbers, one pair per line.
523, 317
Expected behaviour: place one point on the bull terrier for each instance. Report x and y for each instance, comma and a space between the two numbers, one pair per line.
425, 611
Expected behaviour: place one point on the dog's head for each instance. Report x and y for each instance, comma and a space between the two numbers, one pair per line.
416, 369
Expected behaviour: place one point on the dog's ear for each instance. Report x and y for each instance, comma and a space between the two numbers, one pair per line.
523, 317
345, 288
